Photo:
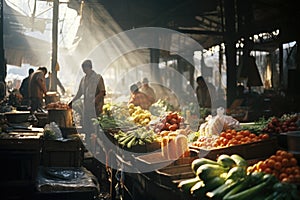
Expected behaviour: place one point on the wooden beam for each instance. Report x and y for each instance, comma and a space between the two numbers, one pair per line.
202, 32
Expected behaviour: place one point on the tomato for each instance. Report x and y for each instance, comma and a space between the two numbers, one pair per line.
223, 134
173, 127
265, 136
173, 121
228, 136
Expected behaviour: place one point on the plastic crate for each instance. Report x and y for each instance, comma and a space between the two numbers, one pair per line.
62, 153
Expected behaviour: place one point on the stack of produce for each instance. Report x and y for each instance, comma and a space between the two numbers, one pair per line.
139, 136
112, 123
227, 179
171, 121
228, 138
283, 124
283, 165
139, 115
57, 105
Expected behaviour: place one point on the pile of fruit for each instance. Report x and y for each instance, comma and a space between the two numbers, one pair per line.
139, 115
228, 138
227, 179
283, 124
283, 165
169, 122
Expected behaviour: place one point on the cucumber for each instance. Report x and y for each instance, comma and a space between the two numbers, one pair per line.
201, 161
239, 160
208, 171
226, 161
236, 173
186, 185
222, 190
208, 186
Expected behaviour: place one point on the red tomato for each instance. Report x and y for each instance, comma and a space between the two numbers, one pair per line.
173, 127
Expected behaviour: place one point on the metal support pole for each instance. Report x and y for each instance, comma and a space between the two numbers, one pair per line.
230, 50
53, 86
2, 56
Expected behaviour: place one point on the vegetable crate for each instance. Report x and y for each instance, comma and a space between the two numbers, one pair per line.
62, 153
20, 159
249, 151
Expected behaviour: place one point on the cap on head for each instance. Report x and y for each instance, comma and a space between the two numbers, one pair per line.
134, 88
87, 63
145, 80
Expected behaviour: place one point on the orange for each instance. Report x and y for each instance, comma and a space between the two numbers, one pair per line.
278, 158
277, 165
270, 163
293, 161
268, 170
282, 176
265, 136
285, 162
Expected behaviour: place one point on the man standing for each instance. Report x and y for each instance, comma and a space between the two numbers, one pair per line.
93, 90
205, 93
24, 88
37, 89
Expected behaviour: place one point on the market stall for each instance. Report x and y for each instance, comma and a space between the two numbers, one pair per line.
174, 150
44, 162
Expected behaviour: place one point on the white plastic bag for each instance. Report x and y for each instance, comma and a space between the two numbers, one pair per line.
52, 131
215, 125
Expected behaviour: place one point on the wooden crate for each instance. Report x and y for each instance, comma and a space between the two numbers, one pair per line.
62, 153
254, 150
20, 159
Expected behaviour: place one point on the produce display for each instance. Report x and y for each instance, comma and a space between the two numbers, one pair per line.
57, 105
228, 138
283, 124
275, 125
227, 178
139, 136
214, 125
171, 121
139, 115
283, 165
109, 122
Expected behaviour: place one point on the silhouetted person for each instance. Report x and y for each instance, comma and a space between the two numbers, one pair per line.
37, 89
24, 88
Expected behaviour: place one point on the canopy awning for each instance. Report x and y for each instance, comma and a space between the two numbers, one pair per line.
20, 49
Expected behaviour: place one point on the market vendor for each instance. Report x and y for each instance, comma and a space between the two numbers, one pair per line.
92, 87
139, 98
37, 89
